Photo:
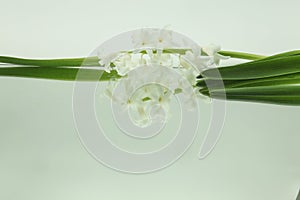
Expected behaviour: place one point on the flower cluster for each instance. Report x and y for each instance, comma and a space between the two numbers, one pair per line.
146, 98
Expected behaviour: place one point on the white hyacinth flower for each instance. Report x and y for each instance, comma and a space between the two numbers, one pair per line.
161, 59
161, 98
105, 60
152, 38
143, 38
139, 109
164, 38
124, 95
144, 104
139, 114
190, 75
108, 92
131, 99
124, 64
212, 50
195, 58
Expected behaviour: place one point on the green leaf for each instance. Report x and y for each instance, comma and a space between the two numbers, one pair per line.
271, 81
281, 95
263, 68
66, 62
67, 74
284, 54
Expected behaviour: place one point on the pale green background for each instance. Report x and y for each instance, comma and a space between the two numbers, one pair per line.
40, 154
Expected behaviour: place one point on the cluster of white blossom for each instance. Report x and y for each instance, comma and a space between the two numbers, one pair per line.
146, 101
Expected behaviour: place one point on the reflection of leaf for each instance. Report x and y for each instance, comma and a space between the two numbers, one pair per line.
298, 197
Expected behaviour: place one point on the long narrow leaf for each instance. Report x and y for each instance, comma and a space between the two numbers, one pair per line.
68, 74
256, 69
72, 62
270, 81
